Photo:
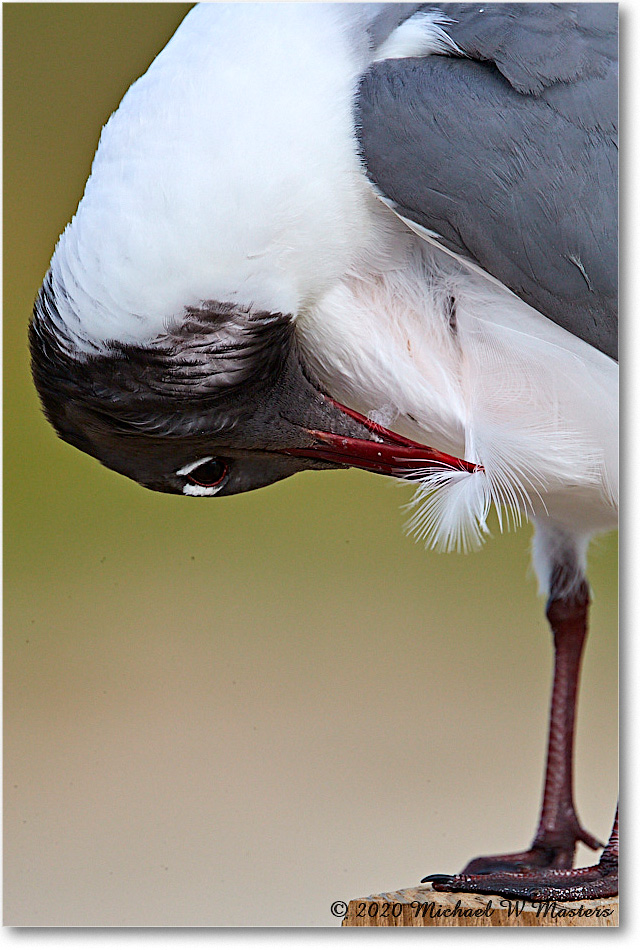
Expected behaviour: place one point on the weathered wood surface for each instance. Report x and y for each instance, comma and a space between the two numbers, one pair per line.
424, 907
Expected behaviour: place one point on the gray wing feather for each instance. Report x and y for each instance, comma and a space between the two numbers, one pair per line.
509, 153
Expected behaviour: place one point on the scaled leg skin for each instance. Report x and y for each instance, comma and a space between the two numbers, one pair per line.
547, 863
546, 884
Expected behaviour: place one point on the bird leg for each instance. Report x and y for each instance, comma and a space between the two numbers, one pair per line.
553, 847
545, 884
559, 829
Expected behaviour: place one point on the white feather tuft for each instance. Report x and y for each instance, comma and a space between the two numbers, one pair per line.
451, 509
420, 35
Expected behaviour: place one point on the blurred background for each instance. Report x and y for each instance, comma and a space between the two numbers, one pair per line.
236, 711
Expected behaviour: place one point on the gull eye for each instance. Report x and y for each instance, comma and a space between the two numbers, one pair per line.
208, 474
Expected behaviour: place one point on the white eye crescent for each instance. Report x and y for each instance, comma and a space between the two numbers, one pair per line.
200, 490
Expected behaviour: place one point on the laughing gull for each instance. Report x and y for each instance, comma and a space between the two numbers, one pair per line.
375, 235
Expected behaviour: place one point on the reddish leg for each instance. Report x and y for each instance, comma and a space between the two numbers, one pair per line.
559, 829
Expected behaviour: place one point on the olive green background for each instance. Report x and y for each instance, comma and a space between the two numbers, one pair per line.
236, 711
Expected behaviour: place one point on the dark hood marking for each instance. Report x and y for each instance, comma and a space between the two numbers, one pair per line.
215, 351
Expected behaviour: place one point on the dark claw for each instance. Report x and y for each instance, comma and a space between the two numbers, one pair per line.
436, 878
